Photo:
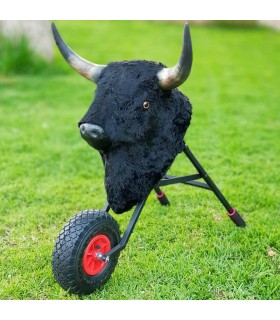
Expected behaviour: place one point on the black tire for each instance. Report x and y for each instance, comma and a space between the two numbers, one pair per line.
70, 247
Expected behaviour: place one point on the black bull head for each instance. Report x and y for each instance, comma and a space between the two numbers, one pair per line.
137, 120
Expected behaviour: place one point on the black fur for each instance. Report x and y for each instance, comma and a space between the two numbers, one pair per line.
144, 142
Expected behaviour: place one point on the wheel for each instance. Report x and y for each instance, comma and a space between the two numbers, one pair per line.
74, 262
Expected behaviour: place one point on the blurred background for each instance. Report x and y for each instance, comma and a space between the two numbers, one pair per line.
27, 43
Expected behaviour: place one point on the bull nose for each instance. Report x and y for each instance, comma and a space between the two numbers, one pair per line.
95, 136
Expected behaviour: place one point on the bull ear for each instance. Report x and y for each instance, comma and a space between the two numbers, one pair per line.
170, 78
87, 69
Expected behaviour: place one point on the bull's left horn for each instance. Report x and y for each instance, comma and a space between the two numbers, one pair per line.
87, 69
170, 78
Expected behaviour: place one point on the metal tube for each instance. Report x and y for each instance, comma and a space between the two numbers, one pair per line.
232, 212
128, 230
207, 179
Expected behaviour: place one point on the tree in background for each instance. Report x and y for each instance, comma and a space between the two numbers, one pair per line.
25, 45
37, 32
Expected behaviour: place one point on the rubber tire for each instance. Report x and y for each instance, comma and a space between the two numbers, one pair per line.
70, 246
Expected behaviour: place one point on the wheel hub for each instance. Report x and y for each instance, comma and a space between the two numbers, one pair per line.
93, 259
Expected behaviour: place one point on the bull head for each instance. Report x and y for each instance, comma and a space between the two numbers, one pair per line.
137, 120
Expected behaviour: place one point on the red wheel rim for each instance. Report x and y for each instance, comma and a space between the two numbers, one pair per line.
92, 266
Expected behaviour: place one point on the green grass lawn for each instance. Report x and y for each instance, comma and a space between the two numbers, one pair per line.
190, 250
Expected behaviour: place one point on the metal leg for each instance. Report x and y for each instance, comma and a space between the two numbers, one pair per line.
232, 212
127, 232
106, 207
161, 197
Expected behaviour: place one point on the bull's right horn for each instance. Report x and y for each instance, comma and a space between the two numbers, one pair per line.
170, 78
87, 69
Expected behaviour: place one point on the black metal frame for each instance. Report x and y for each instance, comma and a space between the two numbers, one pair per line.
168, 180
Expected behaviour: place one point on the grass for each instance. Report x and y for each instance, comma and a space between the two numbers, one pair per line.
190, 250
16, 57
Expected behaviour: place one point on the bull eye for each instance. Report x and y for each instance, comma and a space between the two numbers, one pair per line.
146, 105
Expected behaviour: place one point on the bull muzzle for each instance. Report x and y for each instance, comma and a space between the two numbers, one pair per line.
95, 136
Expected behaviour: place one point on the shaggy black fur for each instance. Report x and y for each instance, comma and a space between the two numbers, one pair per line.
144, 142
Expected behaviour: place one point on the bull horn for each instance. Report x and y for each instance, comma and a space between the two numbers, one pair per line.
87, 69
170, 78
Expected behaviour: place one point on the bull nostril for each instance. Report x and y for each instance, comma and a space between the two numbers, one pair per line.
83, 128
95, 136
